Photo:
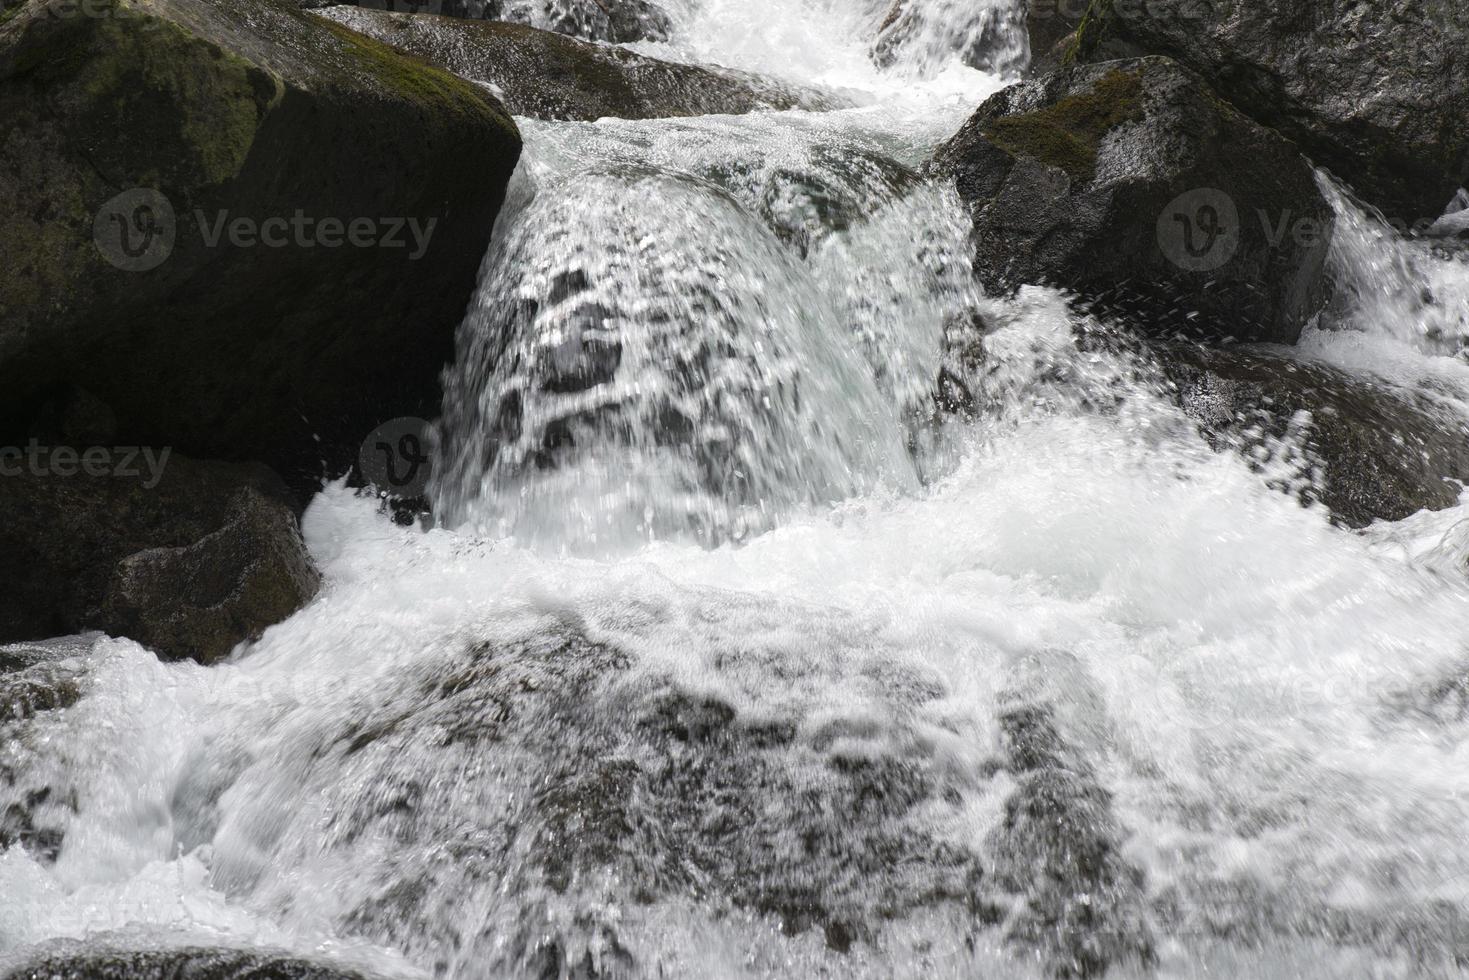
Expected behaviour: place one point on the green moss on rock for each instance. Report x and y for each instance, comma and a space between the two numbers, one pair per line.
417, 80
235, 109
1089, 32
1067, 134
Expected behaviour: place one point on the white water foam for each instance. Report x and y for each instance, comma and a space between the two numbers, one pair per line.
1263, 693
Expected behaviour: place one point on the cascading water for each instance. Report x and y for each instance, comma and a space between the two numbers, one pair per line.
729, 658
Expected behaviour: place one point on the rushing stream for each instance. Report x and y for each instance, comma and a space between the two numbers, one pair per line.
730, 657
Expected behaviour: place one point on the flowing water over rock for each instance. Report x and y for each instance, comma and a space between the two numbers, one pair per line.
733, 656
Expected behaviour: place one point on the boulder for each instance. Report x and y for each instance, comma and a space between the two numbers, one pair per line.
617, 21
186, 557
251, 232
1132, 184
1376, 92
1378, 453
550, 76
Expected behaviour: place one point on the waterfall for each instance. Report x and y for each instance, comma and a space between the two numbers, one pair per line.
731, 655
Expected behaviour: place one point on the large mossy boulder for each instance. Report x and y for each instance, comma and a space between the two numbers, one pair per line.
1364, 450
1134, 185
1377, 92
550, 76
616, 21
188, 558
251, 232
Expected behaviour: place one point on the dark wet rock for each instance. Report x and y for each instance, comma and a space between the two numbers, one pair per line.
1376, 92
45, 687
186, 557
125, 124
36, 678
1050, 27
1379, 453
549, 76
1132, 184
1081, 905
617, 21
176, 964
19, 827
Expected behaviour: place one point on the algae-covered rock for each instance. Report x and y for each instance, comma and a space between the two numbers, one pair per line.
186, 557
1376, 92
1132, 184
549, 76
1375, 452
250, 232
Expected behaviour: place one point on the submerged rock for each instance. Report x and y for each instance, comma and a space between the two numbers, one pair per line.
195, 963
1083, 906
1376, 92
1375, 452
617, 21
1134, 185
925, 36
670, 791
249, 231
548, 76
186, 557
1074, 900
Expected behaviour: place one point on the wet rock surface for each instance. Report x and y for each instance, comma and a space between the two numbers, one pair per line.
616, 21
1050, 26
188, 559
137, 141
1376, 92
1378, 453
916, 35
549, 76
558, 770
177, 964
1082, 907
1132, 184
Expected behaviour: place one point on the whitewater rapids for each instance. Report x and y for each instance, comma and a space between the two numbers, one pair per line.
690, 470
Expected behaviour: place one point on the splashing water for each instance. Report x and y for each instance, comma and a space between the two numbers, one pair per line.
730, 659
